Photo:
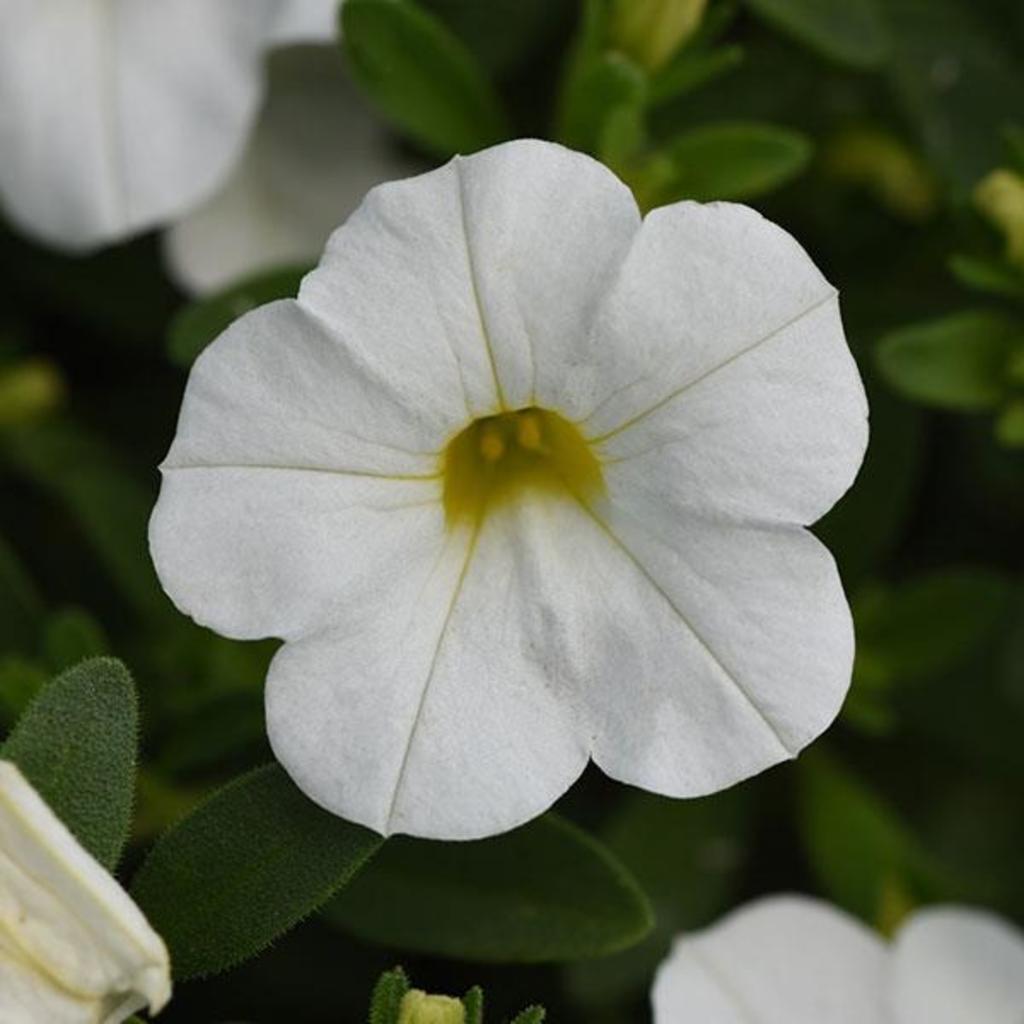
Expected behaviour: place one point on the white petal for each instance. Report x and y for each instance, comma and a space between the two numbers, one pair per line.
953, 965
784, 960
719, 363
307, 21
296, 469
491, 265
316, 151
65, 920
436, 705
723, 647
116, 116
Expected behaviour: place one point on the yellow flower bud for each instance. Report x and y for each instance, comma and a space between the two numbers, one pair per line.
419, 1008
1000, 197
651, 31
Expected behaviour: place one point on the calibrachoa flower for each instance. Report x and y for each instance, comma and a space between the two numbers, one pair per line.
793, 960
74, 948
118, 116
522, 481
313, 155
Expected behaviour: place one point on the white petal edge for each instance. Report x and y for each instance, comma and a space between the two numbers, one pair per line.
956, 965
67, 918
307, 21
82, 164
780, 960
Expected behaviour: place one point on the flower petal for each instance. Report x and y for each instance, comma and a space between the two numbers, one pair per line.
783, 960
307, 21
296, 469
315, 152
953, 965
437, 705
719, 363
66, 920
497, 259
724, 647
82, 163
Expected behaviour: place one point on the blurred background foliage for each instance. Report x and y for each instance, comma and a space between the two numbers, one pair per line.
888, 137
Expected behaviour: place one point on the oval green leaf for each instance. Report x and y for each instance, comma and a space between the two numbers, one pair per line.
76, 744
244, 868
421, 76
544, 892
957, 362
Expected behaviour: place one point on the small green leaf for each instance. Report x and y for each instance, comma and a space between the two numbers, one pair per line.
473, 1004
76, 744
851, 31
544, 892
244, 868
692, 69
386, 1001
421, 76
733, 160
195, 326
984, 274
859, 848
956, 362
594, 92
531, 1015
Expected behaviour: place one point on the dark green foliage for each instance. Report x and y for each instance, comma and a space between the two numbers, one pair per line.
546, 891
243, 868
77, 745
387, 996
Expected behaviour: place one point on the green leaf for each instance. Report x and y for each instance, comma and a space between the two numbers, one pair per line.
733, 160
544, 892
421, 76
956, 362
195, 326
850, 31
531, 1015
693, 69
387, 997
691, 875
864, 856
985, 274
244, 868
594, 92
473, 1004
76, 744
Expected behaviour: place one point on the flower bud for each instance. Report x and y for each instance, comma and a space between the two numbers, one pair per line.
74, 948
1000, 197
651, 31
420, 1008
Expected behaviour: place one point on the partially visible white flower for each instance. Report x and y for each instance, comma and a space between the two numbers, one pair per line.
307, 21
74, 948
795, 960
316, 151
523, 480
120, 115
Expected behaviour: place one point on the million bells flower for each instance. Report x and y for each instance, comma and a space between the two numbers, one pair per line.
521, 481
794, 960
74, 948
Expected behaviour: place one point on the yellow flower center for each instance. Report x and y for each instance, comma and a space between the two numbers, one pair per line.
499, 457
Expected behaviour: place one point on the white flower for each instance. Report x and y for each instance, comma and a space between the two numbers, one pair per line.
793, 960
521, 482
119, 115
316, 150
74, 948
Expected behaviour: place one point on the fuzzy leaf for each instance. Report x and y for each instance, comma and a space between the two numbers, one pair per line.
473, 1003
76, 744
531, 1015
421, 76
244, 868
387, 997
543, 892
